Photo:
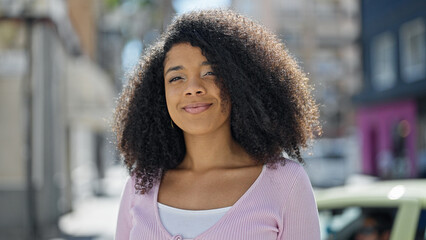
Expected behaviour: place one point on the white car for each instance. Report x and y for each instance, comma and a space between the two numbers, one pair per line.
344, 210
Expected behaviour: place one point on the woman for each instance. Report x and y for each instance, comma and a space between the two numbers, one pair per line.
202, 127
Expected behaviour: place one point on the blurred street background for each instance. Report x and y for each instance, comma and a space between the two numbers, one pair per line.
63, 63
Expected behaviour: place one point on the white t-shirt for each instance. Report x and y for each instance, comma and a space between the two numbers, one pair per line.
189, 223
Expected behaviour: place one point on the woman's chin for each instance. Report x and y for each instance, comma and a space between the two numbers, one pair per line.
196, 131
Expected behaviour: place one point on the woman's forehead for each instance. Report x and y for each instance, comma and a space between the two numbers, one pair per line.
183, 52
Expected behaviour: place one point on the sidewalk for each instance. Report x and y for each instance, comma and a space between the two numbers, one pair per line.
94, 218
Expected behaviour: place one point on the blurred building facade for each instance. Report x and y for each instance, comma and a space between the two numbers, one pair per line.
54, 99
323, 35
391, 115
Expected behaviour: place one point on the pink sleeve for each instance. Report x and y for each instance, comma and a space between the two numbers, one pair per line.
124, 221
301, 220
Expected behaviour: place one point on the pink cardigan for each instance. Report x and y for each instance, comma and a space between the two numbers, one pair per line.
279, 205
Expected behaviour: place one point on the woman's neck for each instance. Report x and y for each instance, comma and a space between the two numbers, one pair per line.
213, 151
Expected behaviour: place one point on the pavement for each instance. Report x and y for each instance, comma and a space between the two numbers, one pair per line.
94, 217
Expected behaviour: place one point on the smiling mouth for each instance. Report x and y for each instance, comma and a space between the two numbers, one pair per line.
197, 107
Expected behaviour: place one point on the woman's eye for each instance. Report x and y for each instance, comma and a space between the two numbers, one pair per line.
209, 73
174, 79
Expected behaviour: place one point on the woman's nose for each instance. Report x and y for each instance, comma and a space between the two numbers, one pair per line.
195, 87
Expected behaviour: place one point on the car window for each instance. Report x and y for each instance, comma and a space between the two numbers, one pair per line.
356, 223
421, 228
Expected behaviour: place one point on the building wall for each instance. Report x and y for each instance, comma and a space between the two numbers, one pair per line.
13, 66
43, 94
49, 127
389, 19
322, 35
35, 131
377, 127
390, 93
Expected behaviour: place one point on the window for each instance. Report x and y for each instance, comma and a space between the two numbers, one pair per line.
412, 50
383, 61
355, 222
335, 222
421, 228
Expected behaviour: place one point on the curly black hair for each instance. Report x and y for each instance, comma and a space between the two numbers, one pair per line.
272, 107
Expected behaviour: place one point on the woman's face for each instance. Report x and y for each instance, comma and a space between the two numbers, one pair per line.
192, 96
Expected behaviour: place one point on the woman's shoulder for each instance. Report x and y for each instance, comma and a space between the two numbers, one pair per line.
286, 169
129, 185
287, 174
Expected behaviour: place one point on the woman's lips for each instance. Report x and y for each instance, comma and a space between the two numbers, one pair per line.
195, 108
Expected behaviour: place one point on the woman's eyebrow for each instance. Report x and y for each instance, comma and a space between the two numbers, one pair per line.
180, 67
175, 68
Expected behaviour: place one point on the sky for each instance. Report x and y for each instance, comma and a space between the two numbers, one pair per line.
182, 6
